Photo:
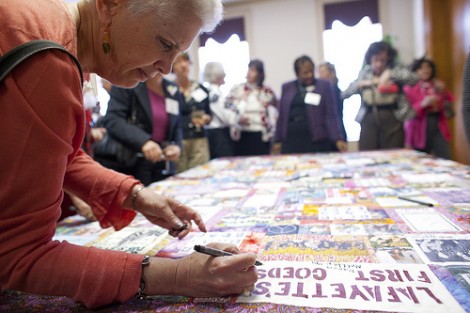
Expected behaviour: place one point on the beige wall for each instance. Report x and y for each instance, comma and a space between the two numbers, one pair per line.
447, 39
279, 31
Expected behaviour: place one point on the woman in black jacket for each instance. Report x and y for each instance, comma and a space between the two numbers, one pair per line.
146, 119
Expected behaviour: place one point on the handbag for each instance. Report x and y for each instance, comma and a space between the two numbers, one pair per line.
112, 149
15, 56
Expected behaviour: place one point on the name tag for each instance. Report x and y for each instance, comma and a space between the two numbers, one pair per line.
199, 95
172, 106
312, 98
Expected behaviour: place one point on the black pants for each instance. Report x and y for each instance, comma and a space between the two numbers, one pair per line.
299, 139
381, 130
220, 143
436, 144
250, 143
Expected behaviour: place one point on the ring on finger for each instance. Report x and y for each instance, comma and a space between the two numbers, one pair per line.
247, 291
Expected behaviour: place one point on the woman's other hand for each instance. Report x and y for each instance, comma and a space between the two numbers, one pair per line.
200, 275
97, 133
83, 209
276, 148
342, 146
244, 120
172, 152
152, 151
165, 212
384, 78
366, 83
206, 119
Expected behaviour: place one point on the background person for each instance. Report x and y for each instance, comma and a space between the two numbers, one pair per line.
195, 116
218, 130
429, 130
327, 71
384, 107
124, 42
155, 134
308, 114
255, 105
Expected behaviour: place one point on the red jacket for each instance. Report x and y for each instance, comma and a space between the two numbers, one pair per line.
415, 129
42, 129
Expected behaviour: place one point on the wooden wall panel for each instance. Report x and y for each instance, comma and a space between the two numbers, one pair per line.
447, 37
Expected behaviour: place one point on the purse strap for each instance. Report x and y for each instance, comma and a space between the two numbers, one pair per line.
18, 54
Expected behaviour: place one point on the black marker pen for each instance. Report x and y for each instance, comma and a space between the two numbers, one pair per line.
216, 252
416, 201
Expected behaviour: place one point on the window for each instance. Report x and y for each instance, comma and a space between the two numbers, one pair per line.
345, 47
228, 46
234, 56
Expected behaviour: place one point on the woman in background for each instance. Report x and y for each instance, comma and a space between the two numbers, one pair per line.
218, 130
384, 106
255, 104
195, 116
308, 114
155, 131
429, 130
327, 71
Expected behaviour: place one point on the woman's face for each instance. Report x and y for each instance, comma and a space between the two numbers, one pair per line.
424, 72
142, 46
378, 62
324, 73
252, 75
306, 73
181, 67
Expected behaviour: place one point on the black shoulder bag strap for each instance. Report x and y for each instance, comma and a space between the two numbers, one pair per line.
18, 54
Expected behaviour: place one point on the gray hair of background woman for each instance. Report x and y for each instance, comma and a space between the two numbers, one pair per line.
209, 11
213, 71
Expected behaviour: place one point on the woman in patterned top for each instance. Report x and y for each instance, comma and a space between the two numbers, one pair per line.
255, 105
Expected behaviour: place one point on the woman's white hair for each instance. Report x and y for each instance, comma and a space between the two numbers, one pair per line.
210, 12
212, 72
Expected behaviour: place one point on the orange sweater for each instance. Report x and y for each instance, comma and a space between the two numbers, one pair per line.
42, 126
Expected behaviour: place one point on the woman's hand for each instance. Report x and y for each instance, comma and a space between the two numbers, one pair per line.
342, 146
172, 152
366, 83
206, 118
165, 212
152, 151
97, 133
244, 120
200, 275
429, 100
384, 78
83, 209
276, 148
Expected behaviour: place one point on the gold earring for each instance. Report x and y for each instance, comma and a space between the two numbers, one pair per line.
106, 44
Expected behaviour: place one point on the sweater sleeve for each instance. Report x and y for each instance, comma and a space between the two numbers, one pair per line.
42, 129
104, 191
